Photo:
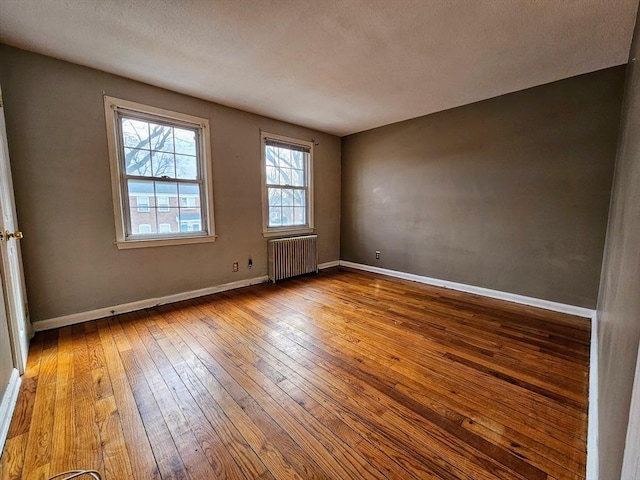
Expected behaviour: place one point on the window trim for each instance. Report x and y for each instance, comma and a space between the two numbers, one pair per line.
111, 106
286, 230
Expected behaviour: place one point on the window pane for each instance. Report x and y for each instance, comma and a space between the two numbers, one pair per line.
287, 197
190, 220
189, 205
271, 156
164, 228
275, 214
299, 215
167, 203
186, 167
142, 188
185, 141
161, 137
275, 197
284, 157
297, 178
287, 216
135, 133
167, 189
297, 159
137, 162
170, 216
163, 165
285, 176
140, 218
273, 176
299, 198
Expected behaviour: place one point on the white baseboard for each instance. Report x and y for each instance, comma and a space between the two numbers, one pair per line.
8, 404
74, 318
335, 263
485, 292
80, 317
592, 429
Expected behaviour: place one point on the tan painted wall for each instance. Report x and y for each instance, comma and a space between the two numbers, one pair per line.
619, 301
58, 149
509, 193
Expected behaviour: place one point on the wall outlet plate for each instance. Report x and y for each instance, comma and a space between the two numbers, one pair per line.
234, 267
377, 254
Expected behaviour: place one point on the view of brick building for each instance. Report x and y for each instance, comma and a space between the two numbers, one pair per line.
164, 207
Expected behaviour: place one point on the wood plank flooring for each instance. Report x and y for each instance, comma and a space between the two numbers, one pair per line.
341, 375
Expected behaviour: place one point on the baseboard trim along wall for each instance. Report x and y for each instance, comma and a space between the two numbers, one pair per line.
74, 318
592, 415
485, 292
335, 263
8, 405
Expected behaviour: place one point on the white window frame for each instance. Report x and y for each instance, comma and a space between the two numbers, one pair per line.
112, 106
160, 225
293, 229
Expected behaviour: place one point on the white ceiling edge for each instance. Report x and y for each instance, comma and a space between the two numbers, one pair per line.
336, 66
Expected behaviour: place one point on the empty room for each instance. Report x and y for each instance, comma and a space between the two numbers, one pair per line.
319, 239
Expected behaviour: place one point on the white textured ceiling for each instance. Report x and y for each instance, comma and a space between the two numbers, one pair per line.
340, 66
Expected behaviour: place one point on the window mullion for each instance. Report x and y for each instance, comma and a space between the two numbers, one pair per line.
162, 179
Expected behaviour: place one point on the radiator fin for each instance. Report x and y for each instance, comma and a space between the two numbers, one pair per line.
289, 257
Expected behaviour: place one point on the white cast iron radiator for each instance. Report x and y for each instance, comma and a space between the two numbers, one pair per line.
292, 256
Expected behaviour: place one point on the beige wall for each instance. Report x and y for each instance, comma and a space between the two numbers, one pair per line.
58, 149
510, 193
619, 301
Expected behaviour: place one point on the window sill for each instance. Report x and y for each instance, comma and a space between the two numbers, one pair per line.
287, 232
164, 242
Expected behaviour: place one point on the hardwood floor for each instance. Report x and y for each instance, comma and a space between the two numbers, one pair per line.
341, 375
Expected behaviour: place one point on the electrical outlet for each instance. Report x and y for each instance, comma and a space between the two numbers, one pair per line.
377, 254
234, 267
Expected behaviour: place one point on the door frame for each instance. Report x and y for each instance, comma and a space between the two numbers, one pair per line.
9, 397
12, 290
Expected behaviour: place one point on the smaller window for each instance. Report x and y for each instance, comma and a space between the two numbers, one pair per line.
143, 204
163, 204
164, 228
144, 228
287, 166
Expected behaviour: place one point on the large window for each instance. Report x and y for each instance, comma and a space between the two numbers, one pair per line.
160, 175
287, 185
